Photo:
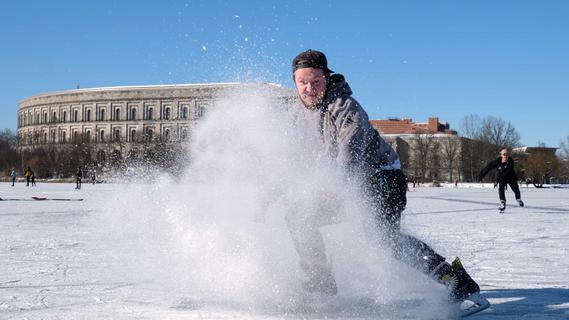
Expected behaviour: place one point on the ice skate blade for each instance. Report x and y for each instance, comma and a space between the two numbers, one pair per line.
472, 304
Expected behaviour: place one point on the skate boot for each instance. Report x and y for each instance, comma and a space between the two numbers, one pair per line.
520, 202
502, 206
457, 280
320, 280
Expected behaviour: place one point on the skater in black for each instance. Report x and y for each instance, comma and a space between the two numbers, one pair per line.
506, 176
349, 138
78, 178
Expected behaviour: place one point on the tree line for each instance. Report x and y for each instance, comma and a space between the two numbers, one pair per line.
63, 160
428, 157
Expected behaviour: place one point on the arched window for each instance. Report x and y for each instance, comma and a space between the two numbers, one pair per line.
185, 113
75, 137
102, 115
75, 115
44, 137
149, 113
117, 114
54, 118
102, 136
167, 114
64, 137
53, 137
88, 136
199, 111
133, 114
88, 115
64, 116
45, 117
133, 135
117, 135
166, 135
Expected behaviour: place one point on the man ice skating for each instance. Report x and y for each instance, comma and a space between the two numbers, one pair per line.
506, 176
349, 138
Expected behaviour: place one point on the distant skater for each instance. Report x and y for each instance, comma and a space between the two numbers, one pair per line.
28, 175
78, 178
33, 178
13, 176
506, 176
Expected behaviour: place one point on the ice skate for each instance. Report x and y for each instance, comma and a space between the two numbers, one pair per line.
502, 206
520, 202
455, 277
463, 290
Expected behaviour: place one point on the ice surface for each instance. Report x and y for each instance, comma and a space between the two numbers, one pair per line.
58, 261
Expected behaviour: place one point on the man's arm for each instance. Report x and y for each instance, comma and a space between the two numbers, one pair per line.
351, 124
490, 166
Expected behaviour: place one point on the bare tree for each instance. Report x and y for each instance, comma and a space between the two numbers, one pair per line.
474, 148
422, 151
540, 167
472, 158
471, 126
8, 153
451, 154
499, 134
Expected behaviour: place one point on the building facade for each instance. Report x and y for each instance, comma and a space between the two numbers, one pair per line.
119, 120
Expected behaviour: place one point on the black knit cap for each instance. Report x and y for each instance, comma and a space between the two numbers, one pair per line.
311, 59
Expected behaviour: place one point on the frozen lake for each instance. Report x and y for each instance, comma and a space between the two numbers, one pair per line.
60, 260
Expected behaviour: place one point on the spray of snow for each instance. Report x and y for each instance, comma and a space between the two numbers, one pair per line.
216, 231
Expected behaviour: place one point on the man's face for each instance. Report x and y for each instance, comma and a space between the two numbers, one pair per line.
311, 86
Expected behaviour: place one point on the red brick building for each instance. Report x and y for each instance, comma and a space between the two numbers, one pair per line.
428, 151
407, 126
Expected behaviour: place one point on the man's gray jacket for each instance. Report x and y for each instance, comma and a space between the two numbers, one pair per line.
347, 134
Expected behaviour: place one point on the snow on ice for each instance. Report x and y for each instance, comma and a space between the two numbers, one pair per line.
60, 260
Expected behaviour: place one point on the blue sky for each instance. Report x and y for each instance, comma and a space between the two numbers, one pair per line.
417, 59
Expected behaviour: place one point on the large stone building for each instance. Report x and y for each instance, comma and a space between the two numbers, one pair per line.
118, 120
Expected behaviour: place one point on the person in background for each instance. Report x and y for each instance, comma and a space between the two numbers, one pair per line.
28, 175
33, 179
13, 176
504, 164
78, 178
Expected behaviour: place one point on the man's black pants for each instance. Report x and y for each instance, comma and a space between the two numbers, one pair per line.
387, 194
513, 185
